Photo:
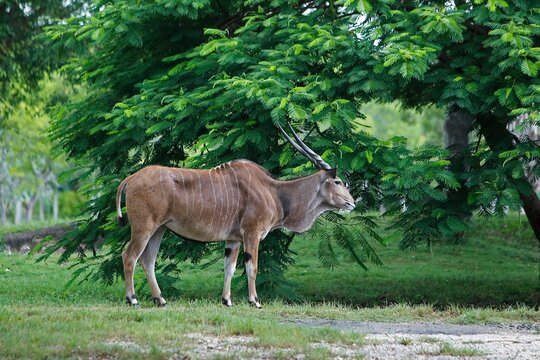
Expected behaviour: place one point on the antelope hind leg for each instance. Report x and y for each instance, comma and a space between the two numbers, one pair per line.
137, 244
148, 262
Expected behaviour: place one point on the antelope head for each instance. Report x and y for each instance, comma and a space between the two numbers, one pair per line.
333, 192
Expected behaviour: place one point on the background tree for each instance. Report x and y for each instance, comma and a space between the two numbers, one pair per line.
24, 60
479, 59
23, 57
32, 172
201, 83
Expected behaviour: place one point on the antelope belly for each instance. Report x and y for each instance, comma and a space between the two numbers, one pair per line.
197, 232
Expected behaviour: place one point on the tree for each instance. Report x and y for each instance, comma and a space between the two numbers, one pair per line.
480, 59
202, 83
31, 170
24, 60
23, 57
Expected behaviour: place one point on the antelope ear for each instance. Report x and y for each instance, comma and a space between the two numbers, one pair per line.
332, 172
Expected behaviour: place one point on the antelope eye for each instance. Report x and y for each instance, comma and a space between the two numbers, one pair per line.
337, 182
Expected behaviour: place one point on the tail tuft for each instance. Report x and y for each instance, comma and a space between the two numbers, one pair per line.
123, 220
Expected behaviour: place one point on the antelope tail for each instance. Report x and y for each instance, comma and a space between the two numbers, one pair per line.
122, 220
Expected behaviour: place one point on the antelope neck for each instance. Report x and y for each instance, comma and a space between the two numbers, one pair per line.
300, 202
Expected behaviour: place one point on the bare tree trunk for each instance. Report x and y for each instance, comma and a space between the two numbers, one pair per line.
41, 209
18, 212
3, 210
3, 178
55, 205
531, 206
30, 208
499, 138
457, 126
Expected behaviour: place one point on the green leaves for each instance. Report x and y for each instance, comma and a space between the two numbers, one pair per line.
362, 6
409, 60
493, 4
369, 156
215, 32
529, 67
172, 83
296, 112
441, 22
348, 233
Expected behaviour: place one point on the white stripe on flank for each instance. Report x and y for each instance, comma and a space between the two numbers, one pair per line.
189, 211
184, 186
220, 205
229, 212
225, 218
215, 201
249, 179
237, 189
200, 194
161, 183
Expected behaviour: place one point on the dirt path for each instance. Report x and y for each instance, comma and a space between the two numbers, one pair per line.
423, 340
418, 328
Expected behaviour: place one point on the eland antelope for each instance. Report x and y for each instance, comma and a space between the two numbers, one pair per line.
237, 202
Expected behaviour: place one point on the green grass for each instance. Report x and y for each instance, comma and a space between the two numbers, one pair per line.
494, 265
449, 350
405, 341
491, 276
84, 330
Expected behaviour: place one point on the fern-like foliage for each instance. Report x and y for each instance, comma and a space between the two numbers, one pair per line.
200, 83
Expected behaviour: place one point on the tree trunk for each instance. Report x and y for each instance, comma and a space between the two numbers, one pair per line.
499, 138
41, 209
18, 212
531, 206
3, 179
55, 205
3, 210
457, 126
30, 208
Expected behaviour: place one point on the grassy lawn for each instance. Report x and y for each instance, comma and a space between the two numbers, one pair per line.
101, 330
490, 276
494, 265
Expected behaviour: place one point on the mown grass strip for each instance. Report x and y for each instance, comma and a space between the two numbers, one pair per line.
61, 331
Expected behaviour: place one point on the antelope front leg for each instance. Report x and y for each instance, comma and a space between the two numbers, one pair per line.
231, 255
251, 255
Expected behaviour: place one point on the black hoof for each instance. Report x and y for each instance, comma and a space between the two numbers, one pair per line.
226, 302
158, 303
255, 303
132, 301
